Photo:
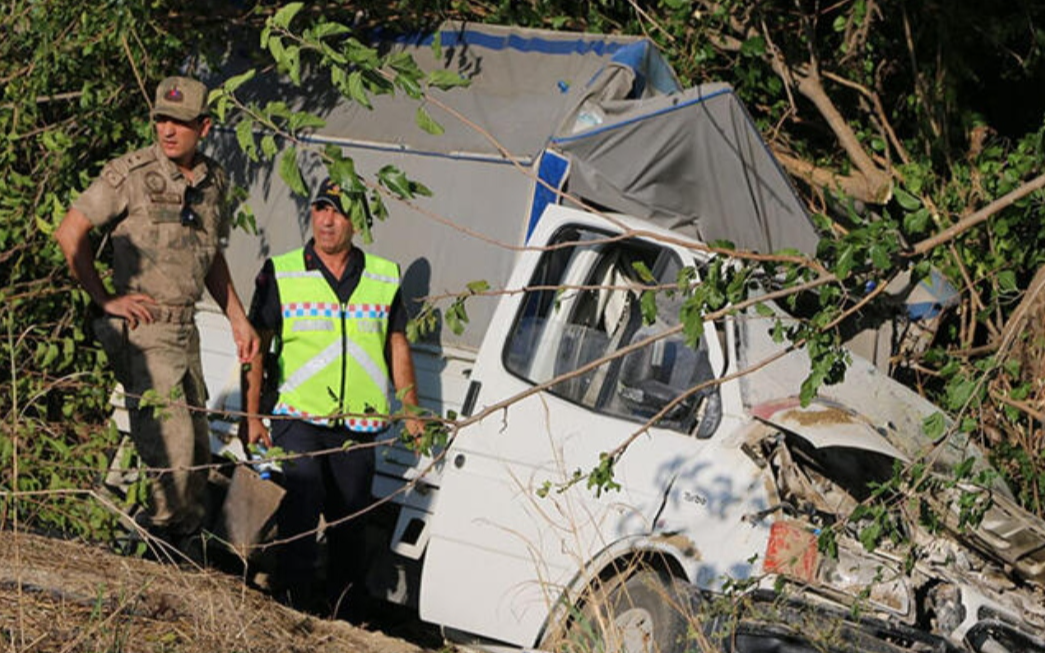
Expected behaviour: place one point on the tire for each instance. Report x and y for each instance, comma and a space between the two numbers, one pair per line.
641, 610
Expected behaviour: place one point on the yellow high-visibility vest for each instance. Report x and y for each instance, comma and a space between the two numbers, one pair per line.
332, 362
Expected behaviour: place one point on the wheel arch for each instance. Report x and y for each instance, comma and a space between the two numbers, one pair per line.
659, 552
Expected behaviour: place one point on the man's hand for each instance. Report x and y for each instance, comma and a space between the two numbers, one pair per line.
134, 308
248, 344
253, 431
415, 426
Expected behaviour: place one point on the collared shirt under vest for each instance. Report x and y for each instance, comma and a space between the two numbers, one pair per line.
332, 367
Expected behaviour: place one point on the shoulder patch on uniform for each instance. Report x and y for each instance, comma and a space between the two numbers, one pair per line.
113, 176
117, 170
141, 157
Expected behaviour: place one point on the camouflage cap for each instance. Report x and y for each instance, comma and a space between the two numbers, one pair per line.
181, 98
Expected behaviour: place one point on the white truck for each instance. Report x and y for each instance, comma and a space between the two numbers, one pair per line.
722, 490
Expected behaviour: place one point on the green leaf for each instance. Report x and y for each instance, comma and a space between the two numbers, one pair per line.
419, 189
880, 257
478, 287
645, 275
871, 535
278, 109
268, 146
292, 63
403, 63
356, 91
846, 261
357, 213
291, 173
409, 86
1007, 281
245, 220
286, 14
446, 79
437, 46
50, 356
234, 83
753, 47
916, 221
906, 200
427, 123
362, 55
395, 180
276, 49
245, 138
934, 425
326, 30
648, 304
44, 226
809, 388
453, 321
342, 169
305, 120
961, 391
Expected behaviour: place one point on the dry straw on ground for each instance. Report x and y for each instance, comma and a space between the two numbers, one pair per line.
64, 596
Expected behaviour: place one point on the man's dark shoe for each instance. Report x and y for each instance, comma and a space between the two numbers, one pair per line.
189, 549
303, 598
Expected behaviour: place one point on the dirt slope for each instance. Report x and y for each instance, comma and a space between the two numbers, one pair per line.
64, 596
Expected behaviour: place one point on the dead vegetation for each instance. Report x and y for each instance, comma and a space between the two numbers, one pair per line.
63, 596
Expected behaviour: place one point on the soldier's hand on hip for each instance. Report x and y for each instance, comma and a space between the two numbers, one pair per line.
134, 308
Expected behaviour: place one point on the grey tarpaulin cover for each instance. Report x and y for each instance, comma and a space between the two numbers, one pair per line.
609, 108
691, 161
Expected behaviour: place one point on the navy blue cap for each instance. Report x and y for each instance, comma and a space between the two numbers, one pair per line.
329, 193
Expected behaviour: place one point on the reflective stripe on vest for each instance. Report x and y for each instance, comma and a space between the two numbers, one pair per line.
332, 361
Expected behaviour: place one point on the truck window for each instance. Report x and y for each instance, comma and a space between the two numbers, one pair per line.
583, 304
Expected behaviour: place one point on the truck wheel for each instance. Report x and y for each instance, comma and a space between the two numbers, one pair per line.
637, 611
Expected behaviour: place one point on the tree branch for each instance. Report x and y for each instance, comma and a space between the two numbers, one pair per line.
978, 217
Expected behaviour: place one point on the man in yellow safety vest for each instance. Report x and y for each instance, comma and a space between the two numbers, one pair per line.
339, 325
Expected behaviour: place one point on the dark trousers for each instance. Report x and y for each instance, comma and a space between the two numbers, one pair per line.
334, 485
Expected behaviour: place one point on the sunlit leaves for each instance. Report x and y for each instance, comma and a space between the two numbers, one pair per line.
426, 122
285, 14
245, 138
396, 181
353, 87
290, 172
445, 80
906, 200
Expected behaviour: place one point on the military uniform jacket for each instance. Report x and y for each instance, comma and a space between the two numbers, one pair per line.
166, 231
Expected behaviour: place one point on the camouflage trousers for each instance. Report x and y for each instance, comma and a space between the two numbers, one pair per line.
159, 367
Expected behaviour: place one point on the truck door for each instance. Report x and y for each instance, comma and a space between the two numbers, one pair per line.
517, 517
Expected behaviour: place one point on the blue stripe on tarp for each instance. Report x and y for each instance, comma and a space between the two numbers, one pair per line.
453, 38
634, 57
924, 310
652, 70
931, 296
552, 171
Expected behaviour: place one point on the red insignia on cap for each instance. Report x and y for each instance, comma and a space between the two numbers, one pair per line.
174, 94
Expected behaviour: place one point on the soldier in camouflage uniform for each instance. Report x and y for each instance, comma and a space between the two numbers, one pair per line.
169, 211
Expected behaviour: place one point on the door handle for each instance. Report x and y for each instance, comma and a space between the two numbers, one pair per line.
469, 398
459, 460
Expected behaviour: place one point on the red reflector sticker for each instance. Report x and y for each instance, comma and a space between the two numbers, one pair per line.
792, 551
